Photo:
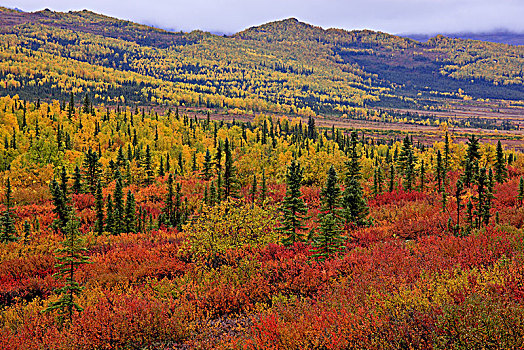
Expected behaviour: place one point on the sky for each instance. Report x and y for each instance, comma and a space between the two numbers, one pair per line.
231, 16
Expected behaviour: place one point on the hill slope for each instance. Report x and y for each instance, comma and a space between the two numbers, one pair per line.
502, 37
284, 66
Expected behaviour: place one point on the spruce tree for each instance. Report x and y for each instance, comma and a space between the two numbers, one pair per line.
130, 213
473, 148
471, 161
8, 230
254, 189
264, 132
99, 209
178, 213
13, 141
218, 158
161, 171
85, 105
311, 131
293, 208
459, 192
501, 171
77, 181
391, 178
422, 176
194, 166
468, 172
520, 196
446, 155
60, 200
407, 163
206, 194
207, 166
380, 180
27, 232
218, 197
71, 107
180, 163
93, 169
118, 207
109, 227
511, 157
212, 194
375, 182
440, 171
355, 209
230, 180
168, 210
328, 240
70, 256
148, 167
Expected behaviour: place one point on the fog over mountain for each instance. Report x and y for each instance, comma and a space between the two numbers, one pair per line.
230, 16
495, 36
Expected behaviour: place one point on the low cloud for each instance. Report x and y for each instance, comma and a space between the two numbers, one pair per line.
230, 16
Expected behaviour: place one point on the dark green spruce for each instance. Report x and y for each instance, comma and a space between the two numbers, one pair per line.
328, 240
293, 208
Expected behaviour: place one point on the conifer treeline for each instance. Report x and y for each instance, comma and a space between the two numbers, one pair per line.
106, 155
137, 153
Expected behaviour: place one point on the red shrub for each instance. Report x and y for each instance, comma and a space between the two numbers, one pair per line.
397, 197
83, 201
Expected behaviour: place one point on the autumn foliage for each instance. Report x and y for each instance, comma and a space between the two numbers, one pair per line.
191, 269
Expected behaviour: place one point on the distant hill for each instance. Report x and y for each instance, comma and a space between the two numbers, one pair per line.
502, 37
282, 66
93, 23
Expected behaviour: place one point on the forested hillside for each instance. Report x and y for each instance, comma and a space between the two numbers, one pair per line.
283, 67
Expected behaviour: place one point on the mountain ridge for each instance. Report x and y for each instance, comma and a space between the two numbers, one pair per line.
285, 64
504, 36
